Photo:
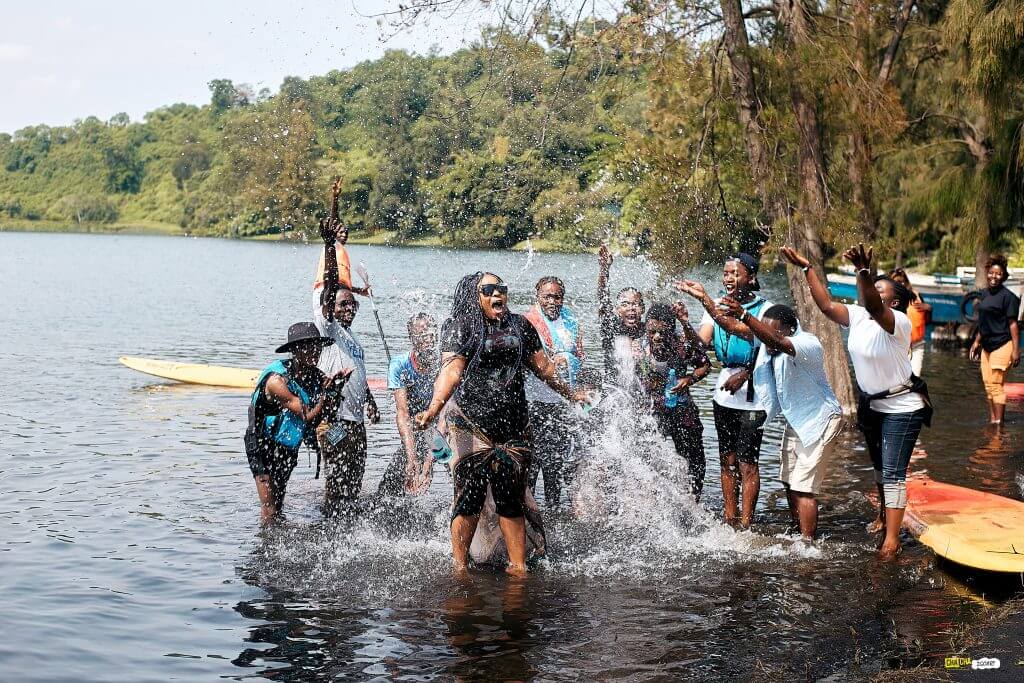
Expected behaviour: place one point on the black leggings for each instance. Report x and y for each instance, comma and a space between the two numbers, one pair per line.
552, 441
689, 443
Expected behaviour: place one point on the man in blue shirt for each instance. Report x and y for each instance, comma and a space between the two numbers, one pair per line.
789, 379
411, 380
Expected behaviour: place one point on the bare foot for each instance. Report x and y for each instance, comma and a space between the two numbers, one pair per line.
460, 568
888, 552
745, 523
516, 569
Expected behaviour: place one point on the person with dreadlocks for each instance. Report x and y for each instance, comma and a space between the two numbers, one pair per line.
893, 402
622, 325
484, 348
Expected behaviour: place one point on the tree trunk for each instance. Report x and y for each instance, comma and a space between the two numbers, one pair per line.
804, 235
859, 159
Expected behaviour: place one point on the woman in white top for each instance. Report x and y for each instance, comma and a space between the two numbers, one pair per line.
893, 407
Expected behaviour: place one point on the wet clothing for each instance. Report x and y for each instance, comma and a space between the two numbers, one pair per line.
405, 373
280, 432
551, 424
681, 423
804, 463
481, 464
492, 393
739, 432
890, 439
997, 308
345, 352
735, 353
344, 462
560, 337
622, 349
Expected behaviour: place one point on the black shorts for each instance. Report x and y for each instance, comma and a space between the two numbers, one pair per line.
739, 432
277, 461
470, 480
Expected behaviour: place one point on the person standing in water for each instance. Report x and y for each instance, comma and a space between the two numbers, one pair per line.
997, 342
670, 365
739, 420
411, 378
484, 348
550, 417
919, 314
622, 326
342, 436
893, 403
344, 265
789, 380
290, 399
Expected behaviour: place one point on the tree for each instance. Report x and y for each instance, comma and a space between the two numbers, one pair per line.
224, 96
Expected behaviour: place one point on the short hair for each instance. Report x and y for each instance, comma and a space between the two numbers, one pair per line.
903, 295
662, 313
338, 288
625, 290
998, 260
550, 280
784, 314
421, 317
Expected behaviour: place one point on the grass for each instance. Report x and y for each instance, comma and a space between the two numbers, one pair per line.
129, 227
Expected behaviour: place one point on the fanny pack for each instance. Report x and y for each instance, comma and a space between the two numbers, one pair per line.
914, 385
750, 377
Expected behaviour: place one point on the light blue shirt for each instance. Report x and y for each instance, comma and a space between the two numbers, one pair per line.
796, 387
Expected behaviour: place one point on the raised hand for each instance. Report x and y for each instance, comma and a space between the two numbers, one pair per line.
329, 230
859, 256
336, 188
732, 307
691, 287
604, 257
681, 312
797, 259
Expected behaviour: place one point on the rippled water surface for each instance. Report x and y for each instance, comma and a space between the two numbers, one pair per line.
130, 548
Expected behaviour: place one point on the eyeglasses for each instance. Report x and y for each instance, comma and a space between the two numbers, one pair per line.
490, 289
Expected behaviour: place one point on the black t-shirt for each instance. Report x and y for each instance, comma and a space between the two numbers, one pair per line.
995, 311
492, 393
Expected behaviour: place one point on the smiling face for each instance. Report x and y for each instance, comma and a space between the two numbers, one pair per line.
495, 305
659, 334
995, 275
736, 279
629, 306
549, 298
345, 307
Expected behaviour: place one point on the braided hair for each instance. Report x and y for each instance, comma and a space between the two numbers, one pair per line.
466, 311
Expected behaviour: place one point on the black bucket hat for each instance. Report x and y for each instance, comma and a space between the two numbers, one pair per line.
303, 333
751, 264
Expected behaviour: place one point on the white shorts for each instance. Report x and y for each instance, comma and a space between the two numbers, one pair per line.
803, 467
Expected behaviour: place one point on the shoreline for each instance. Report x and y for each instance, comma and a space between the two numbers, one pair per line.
381, 238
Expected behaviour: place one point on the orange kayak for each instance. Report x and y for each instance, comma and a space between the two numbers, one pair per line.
1014, 391
972, 528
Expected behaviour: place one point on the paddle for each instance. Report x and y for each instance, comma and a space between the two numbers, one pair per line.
361, 270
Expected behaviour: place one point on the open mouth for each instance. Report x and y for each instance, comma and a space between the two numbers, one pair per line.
497, 305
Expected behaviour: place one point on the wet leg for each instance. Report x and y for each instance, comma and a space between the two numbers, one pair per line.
463, 528
269, 506
730, 487
794, 513
750, 478
891, 545
807, 513
514, 531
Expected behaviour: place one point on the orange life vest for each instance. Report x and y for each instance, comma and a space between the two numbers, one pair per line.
344, 268
918, 323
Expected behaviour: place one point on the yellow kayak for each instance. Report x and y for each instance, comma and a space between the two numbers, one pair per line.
210, 375
973, 528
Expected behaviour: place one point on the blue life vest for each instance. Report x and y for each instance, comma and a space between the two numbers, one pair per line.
285, 428
733, 351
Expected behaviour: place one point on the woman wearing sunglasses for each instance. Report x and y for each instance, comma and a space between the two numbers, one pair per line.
484, 349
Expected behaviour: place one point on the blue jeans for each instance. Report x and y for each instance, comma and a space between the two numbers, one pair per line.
891, 438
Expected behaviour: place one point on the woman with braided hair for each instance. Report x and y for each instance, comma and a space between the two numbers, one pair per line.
484, 349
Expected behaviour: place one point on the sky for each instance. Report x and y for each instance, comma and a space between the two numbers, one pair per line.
61, 61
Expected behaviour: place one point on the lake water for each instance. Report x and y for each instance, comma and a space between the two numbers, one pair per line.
130, 549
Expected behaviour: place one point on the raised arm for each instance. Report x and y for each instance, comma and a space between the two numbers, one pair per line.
604, 266
866, 292
775, 341
727, 322
277, 391
452, 367
329, 233
836, 312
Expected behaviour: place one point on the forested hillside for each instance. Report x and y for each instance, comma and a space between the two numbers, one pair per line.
677, 127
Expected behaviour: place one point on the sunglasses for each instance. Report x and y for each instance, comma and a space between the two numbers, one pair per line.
490, 289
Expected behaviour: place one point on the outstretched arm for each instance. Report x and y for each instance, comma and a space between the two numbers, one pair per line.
452, 367
604, 266
727, 322
775, 341
540, 364
866, 292
329, 233
836, 312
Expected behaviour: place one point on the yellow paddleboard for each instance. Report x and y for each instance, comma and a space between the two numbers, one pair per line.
194, 373
210, 375
972, 528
